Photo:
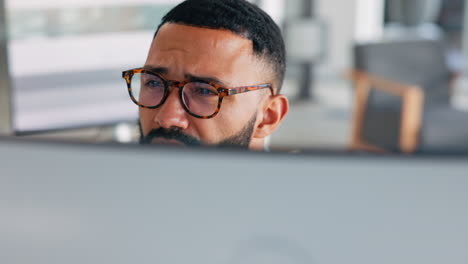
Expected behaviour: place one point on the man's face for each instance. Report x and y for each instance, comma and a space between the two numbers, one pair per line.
179, 51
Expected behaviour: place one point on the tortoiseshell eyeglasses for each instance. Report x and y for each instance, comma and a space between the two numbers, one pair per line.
200, 99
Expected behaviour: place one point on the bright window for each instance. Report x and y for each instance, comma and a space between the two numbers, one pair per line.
66, 59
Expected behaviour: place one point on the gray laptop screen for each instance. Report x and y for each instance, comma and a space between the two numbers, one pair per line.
113, 204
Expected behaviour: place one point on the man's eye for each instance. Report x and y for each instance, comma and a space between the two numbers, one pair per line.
153, 84
205, 91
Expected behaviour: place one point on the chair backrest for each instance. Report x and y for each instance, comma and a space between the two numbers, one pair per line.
413, 62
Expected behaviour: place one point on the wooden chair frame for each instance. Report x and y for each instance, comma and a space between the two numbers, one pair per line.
411, 114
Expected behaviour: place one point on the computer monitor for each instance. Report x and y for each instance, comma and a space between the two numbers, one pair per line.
76, 203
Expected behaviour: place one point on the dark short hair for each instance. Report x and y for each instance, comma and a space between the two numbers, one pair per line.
240, 17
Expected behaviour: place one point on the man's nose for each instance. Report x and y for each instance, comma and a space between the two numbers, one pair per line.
172, 113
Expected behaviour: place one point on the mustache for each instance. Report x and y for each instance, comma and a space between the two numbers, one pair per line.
170, 134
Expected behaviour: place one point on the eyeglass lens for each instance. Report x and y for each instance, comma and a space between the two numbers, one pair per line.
199, 98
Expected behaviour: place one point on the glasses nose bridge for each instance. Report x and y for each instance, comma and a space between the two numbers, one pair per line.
176, 84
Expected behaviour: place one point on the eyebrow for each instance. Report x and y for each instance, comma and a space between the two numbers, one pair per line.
187, 76
160, 70
193, 78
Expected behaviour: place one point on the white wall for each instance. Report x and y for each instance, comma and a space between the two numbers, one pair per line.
339, 15
348, 21
369, 20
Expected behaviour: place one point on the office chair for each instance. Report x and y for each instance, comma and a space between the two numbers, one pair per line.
402, 99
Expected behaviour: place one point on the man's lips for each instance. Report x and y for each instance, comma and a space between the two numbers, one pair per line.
169, 136
167, 142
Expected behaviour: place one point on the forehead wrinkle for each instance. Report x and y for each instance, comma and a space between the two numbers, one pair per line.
161, 52
173, 49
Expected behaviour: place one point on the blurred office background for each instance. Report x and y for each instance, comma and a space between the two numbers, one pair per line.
64, 60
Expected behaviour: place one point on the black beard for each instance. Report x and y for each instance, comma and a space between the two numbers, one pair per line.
172, 133
240, 140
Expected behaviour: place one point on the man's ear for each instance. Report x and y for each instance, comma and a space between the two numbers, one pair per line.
274, 109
